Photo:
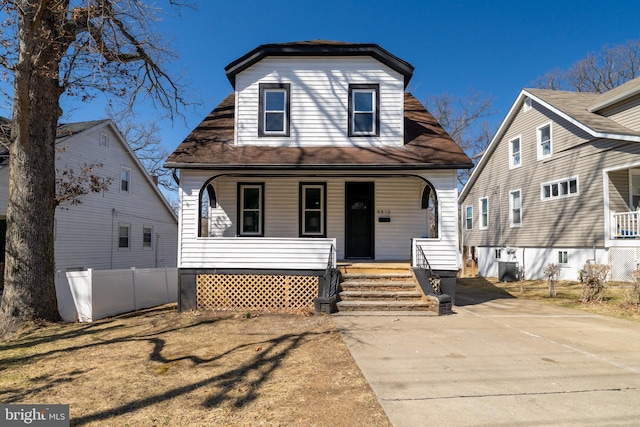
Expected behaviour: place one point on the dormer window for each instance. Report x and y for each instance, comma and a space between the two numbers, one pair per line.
364, 107
274, 109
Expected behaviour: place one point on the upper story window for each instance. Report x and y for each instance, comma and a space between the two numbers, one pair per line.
274, 109
545, 148
515, 209
125, 180
147, 236
484, 213
104, 140
514, 153
469, 218
251, 209
364, 110
562, 188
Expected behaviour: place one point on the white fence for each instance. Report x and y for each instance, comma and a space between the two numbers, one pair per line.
90, 295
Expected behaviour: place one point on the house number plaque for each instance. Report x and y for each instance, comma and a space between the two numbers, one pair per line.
383, 211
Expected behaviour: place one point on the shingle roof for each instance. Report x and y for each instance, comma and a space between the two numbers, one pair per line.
576, 105
624, 91
319, 48
426, 145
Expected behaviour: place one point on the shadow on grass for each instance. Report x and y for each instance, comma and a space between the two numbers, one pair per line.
477, 290
237, 384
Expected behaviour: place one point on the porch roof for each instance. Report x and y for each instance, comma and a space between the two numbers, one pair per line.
426, 146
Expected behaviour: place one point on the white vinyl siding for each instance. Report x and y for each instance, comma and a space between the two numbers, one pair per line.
319, 100
396, 198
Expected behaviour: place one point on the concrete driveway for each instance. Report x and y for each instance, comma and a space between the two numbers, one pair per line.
500, 362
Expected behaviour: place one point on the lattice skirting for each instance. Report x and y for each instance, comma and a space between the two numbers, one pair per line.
255, 292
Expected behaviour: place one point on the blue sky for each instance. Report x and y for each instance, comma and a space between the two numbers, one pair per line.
495, 47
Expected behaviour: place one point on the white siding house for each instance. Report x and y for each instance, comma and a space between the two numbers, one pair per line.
318, 156
130, 225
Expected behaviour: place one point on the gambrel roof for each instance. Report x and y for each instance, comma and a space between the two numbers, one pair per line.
426, 146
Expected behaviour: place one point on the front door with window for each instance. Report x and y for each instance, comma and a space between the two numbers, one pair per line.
359, 206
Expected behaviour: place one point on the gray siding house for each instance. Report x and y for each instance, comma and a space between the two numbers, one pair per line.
559, 183
317, 156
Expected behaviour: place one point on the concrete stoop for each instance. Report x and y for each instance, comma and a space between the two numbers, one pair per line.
381, 288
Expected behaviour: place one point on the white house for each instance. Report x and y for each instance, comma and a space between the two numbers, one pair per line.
130, 225
318, 155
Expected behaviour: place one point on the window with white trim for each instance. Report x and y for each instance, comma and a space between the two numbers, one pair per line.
251, 209
124, 236
515, 208
563, 257
125, 180
566, 187
104, 140
469, 218
514, 153
484, 213
364, 107
545, 148
147, 237
274, 109
312, 209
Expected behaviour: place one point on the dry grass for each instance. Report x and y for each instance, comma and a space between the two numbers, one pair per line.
161, 368
616, 301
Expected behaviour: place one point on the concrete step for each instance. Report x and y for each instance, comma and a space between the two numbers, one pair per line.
376, 276
368, 285
355, 306
381, 295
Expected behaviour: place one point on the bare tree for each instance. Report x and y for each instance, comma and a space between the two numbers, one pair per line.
465, 119
597, 72
50, 49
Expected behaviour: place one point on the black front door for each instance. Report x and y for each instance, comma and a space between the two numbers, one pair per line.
359, 219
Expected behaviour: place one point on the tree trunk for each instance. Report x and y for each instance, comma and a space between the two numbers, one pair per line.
29, 289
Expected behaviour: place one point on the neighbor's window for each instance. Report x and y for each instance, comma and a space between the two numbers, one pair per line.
563, 257
515, 208
147, 236
544, 141
312, 209
125, 180
364, 107
104, 140
124, 236
484, 213
251, 209
514, 153
497, 253
557, 189
274, 109
469, 218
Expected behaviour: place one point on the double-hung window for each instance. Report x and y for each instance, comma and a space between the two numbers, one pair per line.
545, 148
274, 109
147, 236
484, 213
312, 209
514, 153
125, 180
251, 209
364, 110
515, 208
469, 218
124, 236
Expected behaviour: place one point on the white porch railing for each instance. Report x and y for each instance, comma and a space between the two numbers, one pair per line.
625, 225
258, 253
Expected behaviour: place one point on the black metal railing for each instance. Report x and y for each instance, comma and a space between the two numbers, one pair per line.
331, 276
423, 263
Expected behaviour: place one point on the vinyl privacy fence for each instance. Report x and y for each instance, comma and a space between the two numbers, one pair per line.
89, 295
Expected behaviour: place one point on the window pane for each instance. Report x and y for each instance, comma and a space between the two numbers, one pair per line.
516, 216
554, 189
312, 198
363, 122
250, 221
251, 198
312, 222
363, 101
274, 101
274, 122
545, 134
573, 186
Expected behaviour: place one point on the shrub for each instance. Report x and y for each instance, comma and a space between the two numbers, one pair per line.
593, 277
552, 273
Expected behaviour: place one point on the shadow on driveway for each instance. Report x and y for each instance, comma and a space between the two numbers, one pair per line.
477, 290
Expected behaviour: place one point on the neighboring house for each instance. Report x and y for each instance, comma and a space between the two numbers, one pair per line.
130, 225
559, 183
318, 155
